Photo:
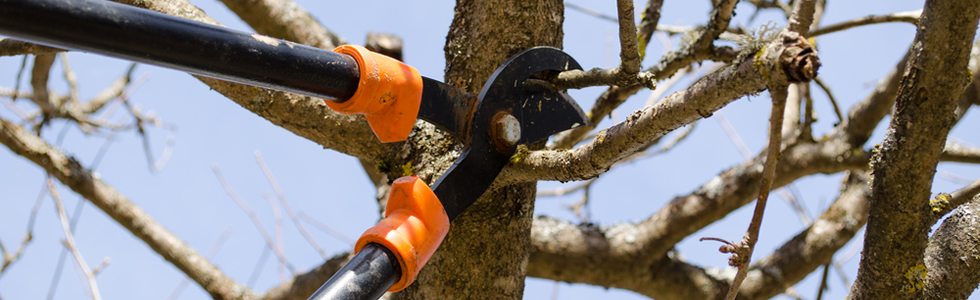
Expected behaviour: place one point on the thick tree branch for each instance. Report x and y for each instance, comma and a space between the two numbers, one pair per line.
304, 116
586, 254
284, 19
904, 165
12, 47
698, 101
911, 17
81, 180
699, 50
951, 255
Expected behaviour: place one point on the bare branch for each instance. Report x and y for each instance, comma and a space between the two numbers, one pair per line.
323, 227
124, 212
285, 204
12, 47
864, 116
91, 285
39, 82
945, 203
583, 253
802, 16
699, 100
905, 163
220, 241
742, 251
960, 153
628, 71
255, 219
697, 51
951, 255
911, 17
833, 101
286, 20
307, 117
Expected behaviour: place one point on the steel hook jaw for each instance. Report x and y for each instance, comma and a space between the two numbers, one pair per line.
506, 97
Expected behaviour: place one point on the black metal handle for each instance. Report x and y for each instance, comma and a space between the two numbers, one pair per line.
366, 276
142, 35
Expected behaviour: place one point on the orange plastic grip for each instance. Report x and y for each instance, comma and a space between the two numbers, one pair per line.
414, 225
388, 94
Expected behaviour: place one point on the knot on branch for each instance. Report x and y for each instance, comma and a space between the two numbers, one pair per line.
799, 60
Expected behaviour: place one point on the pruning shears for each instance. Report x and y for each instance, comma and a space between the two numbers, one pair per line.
516, 106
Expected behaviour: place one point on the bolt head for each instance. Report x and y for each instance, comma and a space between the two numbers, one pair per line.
507, 129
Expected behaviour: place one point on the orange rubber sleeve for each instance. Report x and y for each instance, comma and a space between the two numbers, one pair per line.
414, 225
388, 94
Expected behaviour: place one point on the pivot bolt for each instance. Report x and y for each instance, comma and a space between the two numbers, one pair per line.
506, 129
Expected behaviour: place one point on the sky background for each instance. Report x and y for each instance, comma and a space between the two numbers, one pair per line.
186, 198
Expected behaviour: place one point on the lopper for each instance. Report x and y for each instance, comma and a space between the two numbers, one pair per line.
516, 106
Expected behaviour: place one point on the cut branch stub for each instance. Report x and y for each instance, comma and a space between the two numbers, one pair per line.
800, 61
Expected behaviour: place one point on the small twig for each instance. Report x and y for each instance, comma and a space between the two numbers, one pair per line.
960, 153
280, 244
285, 204
211, 252
954, 178
742, 254
823, 281
77, 214
945, 203
9, 259
323, 227
833, 101
809, 116
255, 218
161, 162
590, 12
763, 4
257, 270
560, 191
628, 71
70, 78
911, 17
16, 93
93, 287
582, 205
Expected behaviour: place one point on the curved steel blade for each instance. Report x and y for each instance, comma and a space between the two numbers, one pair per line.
541, 113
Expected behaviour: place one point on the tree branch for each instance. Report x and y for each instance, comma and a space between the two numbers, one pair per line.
284, 19
91, 285
558, 254
697, 51
12, 47
303, 116
628, 71
698, 101
944, 203
951, 255
960, 153
905, 163
742, 251
81, 180
911, 17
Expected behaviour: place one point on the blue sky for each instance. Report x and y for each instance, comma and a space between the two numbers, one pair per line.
186, 198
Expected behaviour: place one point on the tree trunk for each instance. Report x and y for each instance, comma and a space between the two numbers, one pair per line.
486, 251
